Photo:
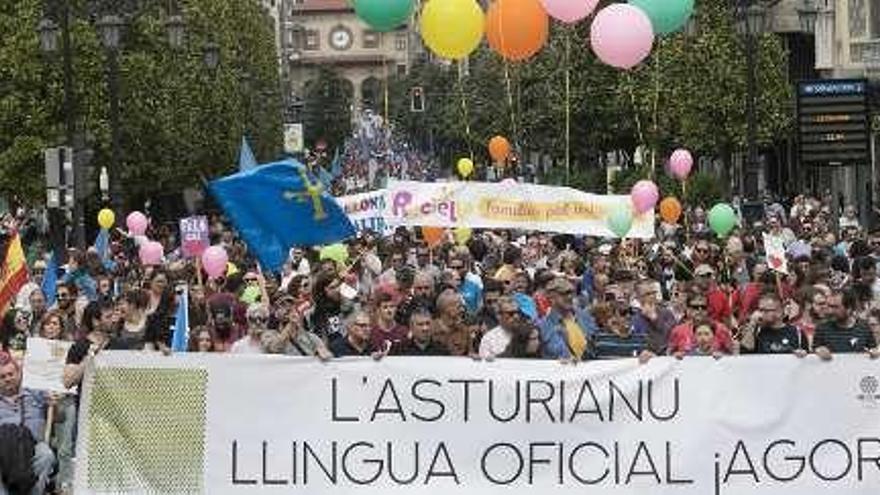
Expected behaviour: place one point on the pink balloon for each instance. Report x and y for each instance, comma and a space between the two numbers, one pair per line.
214, 261
569, 11
621, 35
151, 253
680, 164
644, 195
136, 223
508, 182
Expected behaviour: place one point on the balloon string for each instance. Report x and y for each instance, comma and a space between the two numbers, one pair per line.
567, 106
657, 74
632, 96
687, 227
385, 86
464, 108
510, 103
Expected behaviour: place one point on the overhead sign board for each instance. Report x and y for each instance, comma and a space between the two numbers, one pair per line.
833, 122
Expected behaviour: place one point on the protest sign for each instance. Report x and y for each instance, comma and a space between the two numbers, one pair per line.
366, 211
451, 425
44, 364
509, 206
194, 236
774, 247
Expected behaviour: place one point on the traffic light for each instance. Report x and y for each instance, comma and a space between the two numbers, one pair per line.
417, 99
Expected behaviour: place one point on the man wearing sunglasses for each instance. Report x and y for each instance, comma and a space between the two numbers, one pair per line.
27, 409
257, 324
682, 339
567, 329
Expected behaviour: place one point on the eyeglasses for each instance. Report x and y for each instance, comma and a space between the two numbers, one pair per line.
768, 310
565, 293
697, 306
62, 295
258, 319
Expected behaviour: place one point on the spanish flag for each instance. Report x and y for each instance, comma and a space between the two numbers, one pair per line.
13, 271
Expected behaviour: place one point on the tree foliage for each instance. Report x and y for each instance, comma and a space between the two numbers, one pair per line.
690, 92
326, 113
179, 121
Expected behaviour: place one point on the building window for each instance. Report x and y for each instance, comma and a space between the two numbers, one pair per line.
400, 42
313, 39
401, 70
864, 31
371, 39
858, 19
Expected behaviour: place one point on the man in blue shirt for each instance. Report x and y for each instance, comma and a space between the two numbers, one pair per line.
26, 408
567, 330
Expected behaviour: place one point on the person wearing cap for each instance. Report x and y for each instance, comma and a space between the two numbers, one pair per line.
718, 299
567, 329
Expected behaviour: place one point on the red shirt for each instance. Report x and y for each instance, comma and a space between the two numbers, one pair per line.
718, 304
681, 339
398, 336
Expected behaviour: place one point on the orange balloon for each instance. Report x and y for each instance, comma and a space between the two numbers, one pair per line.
433, 235
670, 210
499, 148
517, 29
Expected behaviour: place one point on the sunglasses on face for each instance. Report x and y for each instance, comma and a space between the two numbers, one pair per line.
698, 306
258, 319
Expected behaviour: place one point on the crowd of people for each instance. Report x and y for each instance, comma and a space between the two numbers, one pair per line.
369, 157
492, 294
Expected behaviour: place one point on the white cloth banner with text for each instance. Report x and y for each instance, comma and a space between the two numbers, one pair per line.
203, 423
496, 205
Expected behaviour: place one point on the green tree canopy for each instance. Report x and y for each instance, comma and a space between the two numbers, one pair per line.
179, 121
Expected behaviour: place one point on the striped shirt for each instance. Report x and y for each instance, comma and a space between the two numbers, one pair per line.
610, 345
857, 338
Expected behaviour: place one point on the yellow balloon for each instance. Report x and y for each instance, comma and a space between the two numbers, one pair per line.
452, 28
465, 167
462, 234
106, 218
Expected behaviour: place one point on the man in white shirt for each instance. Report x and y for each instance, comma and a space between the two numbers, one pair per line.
495, 342
258, 321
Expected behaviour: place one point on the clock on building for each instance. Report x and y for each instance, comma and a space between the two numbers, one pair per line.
341, 38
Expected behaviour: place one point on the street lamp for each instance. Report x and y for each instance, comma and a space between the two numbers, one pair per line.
211, 55
110, 29
176, 28
807, 14
48, 36
751, 24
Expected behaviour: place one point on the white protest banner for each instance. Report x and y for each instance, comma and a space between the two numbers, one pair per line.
366, 211
194, 236
44, 364
508, 206
214, 424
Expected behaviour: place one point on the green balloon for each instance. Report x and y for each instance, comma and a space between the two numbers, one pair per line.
667, 16
722, 219
620, 221
384, 15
